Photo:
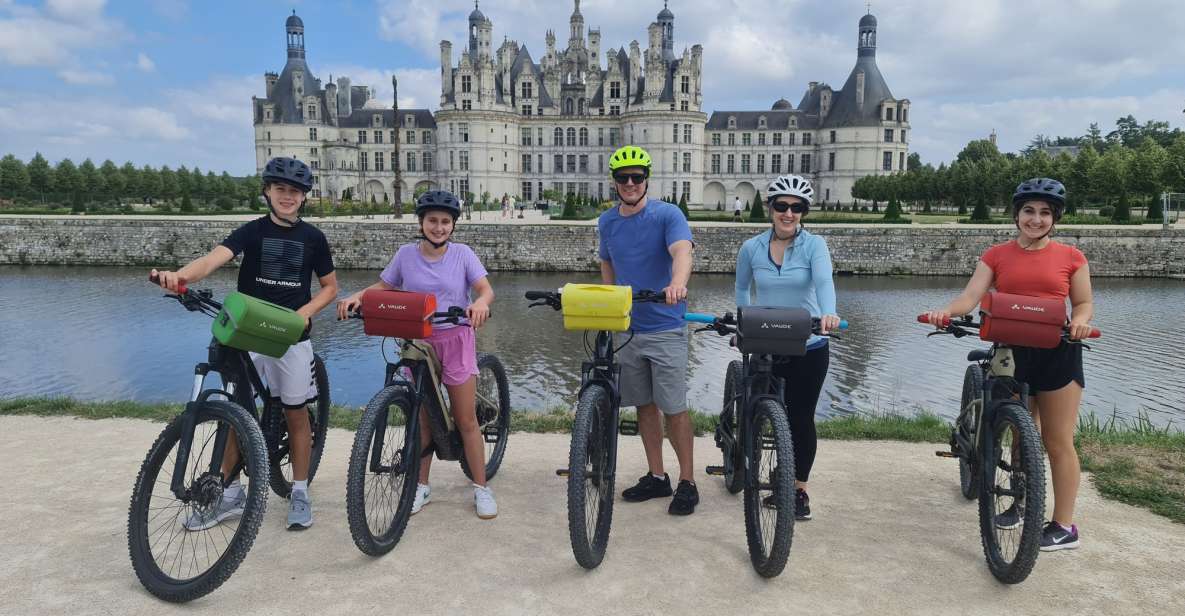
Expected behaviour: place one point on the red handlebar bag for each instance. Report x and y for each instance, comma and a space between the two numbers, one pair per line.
397, 314
1020, 320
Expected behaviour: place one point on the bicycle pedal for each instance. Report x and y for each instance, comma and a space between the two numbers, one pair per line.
627, 427
946, 454
490, 435
562, 472
717, 471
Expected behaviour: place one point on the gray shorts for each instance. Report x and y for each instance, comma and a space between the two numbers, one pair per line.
289, 378
654, 369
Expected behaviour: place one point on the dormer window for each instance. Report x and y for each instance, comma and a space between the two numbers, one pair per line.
793, 122
732, 122
376, 120
409, 121
761, 122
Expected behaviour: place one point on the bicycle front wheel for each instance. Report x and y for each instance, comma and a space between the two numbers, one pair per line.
729, 444
493, 412
384, 466
184, 546
276, 431
1012, 494
967, 424
590, 476
769, 488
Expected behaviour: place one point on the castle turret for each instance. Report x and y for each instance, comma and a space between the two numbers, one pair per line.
295, 29
666, 23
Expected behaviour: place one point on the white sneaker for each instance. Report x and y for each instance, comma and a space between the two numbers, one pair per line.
423, 497
483, 500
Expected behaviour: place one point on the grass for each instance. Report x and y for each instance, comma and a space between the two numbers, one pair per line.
1131, 461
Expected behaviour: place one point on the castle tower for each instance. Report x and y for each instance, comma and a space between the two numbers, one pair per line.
295, 29
666, 22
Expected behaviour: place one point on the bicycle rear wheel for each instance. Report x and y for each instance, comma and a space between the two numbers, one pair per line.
384, 466
966, 425
493, 412
590, 476
184, 548
1012, 494
734, 458
769, 488
276, 431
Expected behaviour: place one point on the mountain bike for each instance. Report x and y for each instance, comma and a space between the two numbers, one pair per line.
753, 431
385, 458
592, 457
1000, 455
187, 470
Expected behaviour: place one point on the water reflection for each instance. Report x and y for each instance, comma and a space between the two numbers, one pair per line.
104, 333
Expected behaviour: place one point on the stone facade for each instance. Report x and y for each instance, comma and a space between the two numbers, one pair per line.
510, 125
891, 249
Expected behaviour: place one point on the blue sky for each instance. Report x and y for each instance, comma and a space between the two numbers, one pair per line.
170, 81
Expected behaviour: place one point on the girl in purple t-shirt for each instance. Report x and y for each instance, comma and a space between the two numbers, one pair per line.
451, 272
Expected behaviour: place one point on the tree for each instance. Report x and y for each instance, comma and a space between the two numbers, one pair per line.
186, 204
683, 206
150, 182
133, 186
1147, 167
1109, 174
68, 180
893, 211
112, 180
169, 186
197, 184
1174, 170
40, 175
979, 150
14, 178
1155, 211
1094, 137
1123, 210
92, 182
1079, 181
569, 206
757, 212
184, 185
981, 212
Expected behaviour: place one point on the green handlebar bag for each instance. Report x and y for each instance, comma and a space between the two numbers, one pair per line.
251, 324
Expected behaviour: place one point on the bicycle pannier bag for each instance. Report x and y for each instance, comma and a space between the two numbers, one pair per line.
596, 307
397, 314
1021, 320
769, 330
252, 324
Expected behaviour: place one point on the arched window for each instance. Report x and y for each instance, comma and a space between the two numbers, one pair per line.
583, 136
580, 106
571, 136
761, 122
559, 136
732, 121
569, 106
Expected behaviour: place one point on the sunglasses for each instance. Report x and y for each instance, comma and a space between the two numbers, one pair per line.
797, 207
627, 178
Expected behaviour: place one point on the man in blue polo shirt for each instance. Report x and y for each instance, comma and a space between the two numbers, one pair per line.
646, 244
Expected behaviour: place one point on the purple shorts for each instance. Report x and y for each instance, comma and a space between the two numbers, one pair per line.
457, 349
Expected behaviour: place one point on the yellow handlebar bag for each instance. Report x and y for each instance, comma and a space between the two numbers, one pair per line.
598, 307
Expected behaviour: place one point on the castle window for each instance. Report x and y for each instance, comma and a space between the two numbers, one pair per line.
528, 90
682, 105
378, 136
732, 138
312, 134
791, 137
675, 133
411, 137
775, 163
466, 105
614, 110
559, 163
427, 162
614, 90
558, 139
685, 84
746, 139
312, 115
888, 135
361, 136
732, 163
805, 164
806, 139
362, 161
777, 139
526, 163
464, 158
793, 122
760, 138
901, 161
601, 136
463, 129
411, 161
887, 161
761, 163
686, 133
378, 161
745, 159
716, 163
761, 122
583, 136
427, 137
832, 136
466, 84
525, 136
831, 161
732, 122
715, 138
571, 137
888, 113
905, 115
687, 162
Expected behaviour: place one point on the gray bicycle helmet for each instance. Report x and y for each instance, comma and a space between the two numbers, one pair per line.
289, 171
438, 200
792, 186
1048, 190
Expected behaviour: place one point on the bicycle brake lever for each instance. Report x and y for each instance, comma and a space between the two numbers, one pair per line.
943, 333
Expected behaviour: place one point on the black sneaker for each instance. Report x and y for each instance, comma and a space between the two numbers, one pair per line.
686, 498
648, 487
1010, 517
802, 505
1054, 537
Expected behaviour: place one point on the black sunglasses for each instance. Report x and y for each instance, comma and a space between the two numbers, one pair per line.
626, 178
796, 207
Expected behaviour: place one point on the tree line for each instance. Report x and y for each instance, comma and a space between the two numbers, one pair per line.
1129, 167
87, 185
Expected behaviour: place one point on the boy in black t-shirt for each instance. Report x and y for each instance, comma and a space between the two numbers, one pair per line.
280, 255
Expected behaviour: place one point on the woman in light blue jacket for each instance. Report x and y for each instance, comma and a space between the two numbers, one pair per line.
791, 268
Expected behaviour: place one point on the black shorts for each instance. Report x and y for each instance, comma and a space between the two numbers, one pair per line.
1049, 369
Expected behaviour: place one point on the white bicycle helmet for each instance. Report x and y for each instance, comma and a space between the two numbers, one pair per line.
791, 186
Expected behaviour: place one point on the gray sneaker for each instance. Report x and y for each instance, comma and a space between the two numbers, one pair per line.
300, 511
229, 507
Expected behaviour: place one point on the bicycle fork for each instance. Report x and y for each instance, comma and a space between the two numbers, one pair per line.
188, 422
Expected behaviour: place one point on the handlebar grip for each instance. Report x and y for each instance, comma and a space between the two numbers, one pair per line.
181, 288
1095, 333
925, 318
534, 295
843, 324
696, 317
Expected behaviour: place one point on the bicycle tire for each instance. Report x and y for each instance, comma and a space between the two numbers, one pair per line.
734, 458
968, 422
376, 535
1030, 484
590, 467
167, 582
769, 531
492, 422
276, 429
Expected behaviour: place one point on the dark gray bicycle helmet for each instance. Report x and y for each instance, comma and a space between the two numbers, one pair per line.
1048, 190
288, 171
438, 200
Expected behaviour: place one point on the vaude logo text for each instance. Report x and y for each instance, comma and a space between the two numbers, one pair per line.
391, 307
765, 325
273, 327
1029, 308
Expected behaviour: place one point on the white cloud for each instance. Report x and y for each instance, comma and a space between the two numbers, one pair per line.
144, 63
31, 38
419, 88
76, 10
85, 78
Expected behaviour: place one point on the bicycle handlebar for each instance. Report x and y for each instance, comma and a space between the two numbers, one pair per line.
535, 295
966, 321
555, 298
181, 288
727, 324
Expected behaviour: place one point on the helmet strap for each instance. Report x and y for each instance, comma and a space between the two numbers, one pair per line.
284, 222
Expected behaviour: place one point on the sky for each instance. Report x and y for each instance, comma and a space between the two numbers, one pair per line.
170, 81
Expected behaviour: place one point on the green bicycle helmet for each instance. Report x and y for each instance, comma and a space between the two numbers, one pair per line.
629, 156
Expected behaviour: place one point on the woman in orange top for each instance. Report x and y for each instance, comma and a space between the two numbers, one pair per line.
1036, 266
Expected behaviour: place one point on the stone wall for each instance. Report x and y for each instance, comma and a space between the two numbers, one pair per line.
889, 249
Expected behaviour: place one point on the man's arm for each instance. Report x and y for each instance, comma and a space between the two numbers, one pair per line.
608, 276
680, 271
322, 299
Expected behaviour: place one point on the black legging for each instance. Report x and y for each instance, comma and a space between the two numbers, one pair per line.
804, 377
